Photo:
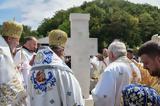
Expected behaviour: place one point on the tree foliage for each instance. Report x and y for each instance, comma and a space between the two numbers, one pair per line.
28, 32
0, 29
110, 19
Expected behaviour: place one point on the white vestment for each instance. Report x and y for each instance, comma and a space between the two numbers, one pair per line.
52, 82
22, 59
11, 87
96, 69
118, 74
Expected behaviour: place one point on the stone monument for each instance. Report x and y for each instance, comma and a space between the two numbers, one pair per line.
80, 47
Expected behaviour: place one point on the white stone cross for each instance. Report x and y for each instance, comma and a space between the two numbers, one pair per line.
80, 47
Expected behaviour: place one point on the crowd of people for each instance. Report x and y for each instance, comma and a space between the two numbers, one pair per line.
28, 78
38, 76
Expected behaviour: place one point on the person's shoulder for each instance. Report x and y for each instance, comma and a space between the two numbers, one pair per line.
135, 66
18, 51
111, 67
65, 67
62, 66
115, 67
116, 64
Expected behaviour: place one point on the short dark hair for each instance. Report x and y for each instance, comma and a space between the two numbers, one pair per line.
130, 50
150, 48
28, 38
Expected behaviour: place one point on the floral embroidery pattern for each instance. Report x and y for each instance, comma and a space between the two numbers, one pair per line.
48, 57
10, 91
6, 94
42, 82
44, 57
139, 95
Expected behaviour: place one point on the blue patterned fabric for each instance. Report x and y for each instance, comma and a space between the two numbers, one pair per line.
43, 81
44, 57
139, 95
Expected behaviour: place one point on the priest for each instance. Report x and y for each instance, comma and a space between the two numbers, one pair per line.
52, 82
12, 92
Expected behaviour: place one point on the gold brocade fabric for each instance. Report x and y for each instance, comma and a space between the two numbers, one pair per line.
148, 80
156, 85
12, 93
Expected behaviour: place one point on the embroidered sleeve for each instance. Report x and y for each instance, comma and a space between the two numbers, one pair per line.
12, 93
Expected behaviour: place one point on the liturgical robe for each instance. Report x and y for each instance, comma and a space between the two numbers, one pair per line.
118, 74
22, 59
12, 92
52, 82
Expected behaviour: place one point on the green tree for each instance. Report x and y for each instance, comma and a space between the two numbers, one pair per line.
28, 32
147, 26
65, 27
110, 19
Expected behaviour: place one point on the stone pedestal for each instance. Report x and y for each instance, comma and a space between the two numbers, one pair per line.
89, 101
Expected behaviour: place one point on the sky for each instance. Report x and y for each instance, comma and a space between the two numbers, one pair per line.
32, 12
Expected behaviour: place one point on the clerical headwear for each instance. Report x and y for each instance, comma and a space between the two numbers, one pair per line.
57, 38
12, 29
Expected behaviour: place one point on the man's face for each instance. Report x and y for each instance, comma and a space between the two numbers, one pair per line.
129, 55
111, 56
32, 45
152, 64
